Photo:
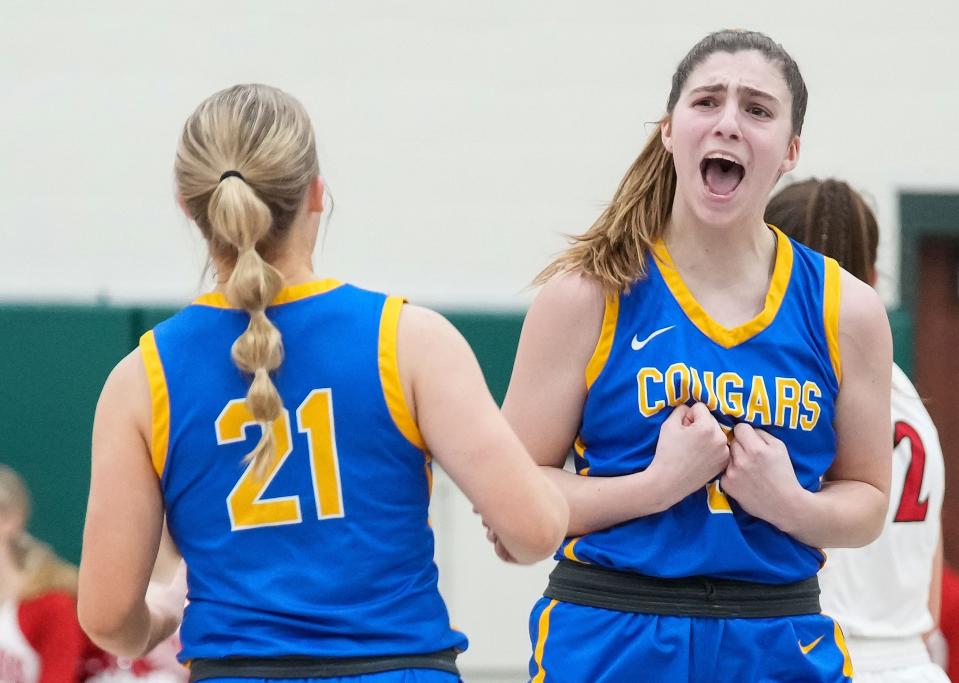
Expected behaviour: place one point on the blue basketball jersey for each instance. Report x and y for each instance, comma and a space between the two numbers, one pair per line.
779, 372
330, 553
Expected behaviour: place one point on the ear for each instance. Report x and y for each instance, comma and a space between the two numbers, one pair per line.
792, 156
314, 195
666, 133
183, 207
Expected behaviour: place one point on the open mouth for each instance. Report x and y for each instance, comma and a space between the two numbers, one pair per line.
720, 175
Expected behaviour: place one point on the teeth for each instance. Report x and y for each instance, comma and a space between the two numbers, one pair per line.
722, 157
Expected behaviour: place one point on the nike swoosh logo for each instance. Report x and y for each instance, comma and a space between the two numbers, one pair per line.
637, 345
806, 649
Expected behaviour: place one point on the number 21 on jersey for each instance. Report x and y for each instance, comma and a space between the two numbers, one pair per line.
314, 418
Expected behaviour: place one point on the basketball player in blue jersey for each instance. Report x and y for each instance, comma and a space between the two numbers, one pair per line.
879, 594
284, 424
726, 392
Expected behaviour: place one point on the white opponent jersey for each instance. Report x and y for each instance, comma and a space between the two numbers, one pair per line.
882, 590
19, 662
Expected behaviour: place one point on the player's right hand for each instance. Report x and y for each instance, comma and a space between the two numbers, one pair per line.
692, 451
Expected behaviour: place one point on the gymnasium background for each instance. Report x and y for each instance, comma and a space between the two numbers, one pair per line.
460, 141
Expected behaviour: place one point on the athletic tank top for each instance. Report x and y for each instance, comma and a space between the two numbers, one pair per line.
331, 553
779, 372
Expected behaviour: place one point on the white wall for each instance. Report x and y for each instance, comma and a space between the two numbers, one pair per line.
461, 139
488, 600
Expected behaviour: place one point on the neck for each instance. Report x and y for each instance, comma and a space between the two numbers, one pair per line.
719, 252
293, 256
295, 271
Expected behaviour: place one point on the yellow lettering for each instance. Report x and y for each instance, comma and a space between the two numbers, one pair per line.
246, 505
810, 392
711, 401
758, 408
674, 395
731, 402
696, 392
642, 377
315, 418
787, 396
716, 500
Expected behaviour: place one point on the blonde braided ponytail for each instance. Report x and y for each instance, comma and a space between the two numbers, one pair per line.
245, 160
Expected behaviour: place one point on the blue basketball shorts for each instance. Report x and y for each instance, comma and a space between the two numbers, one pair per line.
580, 644
398, 676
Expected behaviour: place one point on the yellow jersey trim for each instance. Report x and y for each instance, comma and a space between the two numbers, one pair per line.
390, 373
568, 551
847, 669
581, 452
287, 294
543, 632
830, 312
159, 402
724, 336
605, 342
428, 469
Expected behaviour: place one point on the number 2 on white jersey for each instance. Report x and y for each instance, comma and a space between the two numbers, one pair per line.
911, 508
245, 503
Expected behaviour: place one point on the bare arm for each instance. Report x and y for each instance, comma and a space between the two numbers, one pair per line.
544, 404
850, 509
465, 432
123, 522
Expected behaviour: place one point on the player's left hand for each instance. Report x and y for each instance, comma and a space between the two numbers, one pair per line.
760, 474
498, 547
169, 599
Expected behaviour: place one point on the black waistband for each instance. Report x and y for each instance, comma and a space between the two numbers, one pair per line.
317, 667
696, 596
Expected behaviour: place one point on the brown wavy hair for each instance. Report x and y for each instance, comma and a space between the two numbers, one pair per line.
613, 249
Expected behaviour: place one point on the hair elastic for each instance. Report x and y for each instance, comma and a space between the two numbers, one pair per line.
231, 174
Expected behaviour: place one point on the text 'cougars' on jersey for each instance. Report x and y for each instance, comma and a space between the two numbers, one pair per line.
791, 403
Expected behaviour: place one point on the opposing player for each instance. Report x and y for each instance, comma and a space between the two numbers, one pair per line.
298, 501
677, 321
880, 593
40, 639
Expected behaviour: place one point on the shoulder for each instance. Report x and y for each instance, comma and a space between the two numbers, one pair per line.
423, 326
129, 375
571, 302
865, 339
571, 294
564, 324
429, 343
126, 392
861, 311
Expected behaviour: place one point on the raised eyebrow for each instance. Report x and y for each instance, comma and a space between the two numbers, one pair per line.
718, 87
745, 89
758, 94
